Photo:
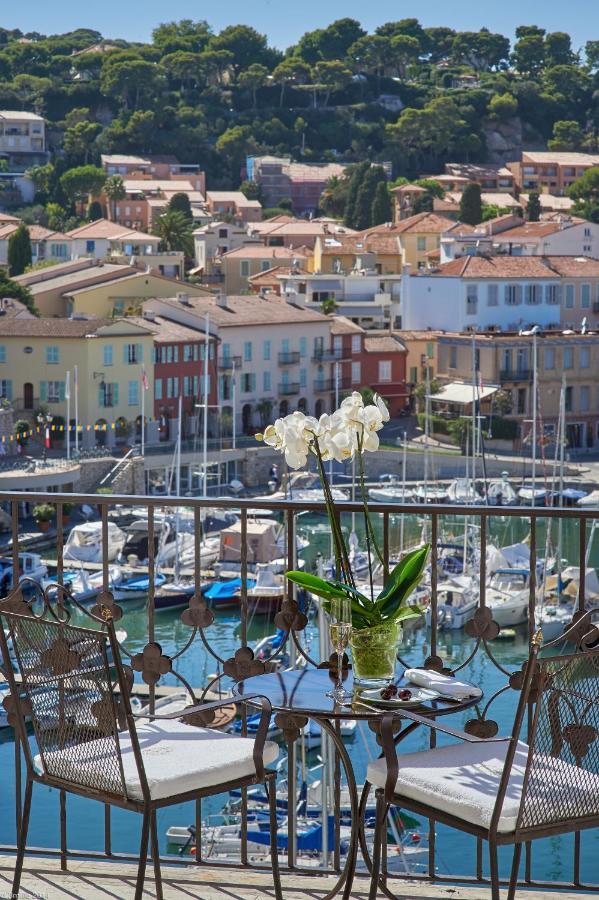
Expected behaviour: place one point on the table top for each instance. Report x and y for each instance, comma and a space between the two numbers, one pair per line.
303, 691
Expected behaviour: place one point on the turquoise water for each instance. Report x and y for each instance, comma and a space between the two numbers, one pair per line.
552, 859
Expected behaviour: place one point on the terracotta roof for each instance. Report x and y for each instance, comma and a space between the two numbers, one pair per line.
259, 251
36, 232
421, 223
166, 331
564, 159
472, 170
80, 278
247, 310
137, 274
551, 202
343, 325
530, 230
384, 343
270, 275
10, 309
381, 242
111, 231
56, 327
236, 197
157, 185
517, 267
418, 335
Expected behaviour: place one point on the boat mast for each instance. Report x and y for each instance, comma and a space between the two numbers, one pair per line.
534, 411
206, 379
404, 465
561, 436
426, 430
473, 421
178, 489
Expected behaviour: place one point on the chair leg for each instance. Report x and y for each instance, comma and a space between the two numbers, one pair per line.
381, 816
514, 873
494, 871
22, 839
156, 855
274, 851
143, 856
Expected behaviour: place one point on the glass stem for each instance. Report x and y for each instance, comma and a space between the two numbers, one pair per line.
339, 672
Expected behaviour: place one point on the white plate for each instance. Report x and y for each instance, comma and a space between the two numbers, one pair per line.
419, 695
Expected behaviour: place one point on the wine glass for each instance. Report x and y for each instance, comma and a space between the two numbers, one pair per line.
339, 631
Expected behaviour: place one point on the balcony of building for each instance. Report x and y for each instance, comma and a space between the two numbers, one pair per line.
515, 375
82, 848
289, 358
227, 363
328, 354
289, 388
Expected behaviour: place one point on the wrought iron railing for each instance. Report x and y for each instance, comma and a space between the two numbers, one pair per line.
198, 619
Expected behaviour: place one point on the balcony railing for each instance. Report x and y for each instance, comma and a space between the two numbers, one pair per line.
327, 354
229, 362
192, 642
289, 358
515, 375
289, 389
331, 384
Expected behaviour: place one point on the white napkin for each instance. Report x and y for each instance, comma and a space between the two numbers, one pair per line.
443, 684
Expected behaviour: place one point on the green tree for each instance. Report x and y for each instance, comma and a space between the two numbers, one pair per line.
331, 43
19, 251
471, 210
502, 107
381, 205
179, 202
567, 135
83, 181
291, 71
373, 176
355, 178
591, 51
558, 50
329, 77
174, 230
78, 140
529, 54
585, 193
15, 291
439, 42
480, 49
114, 188
43, 178
183, 68
533, 207
185, 35
404, 52
131, 81
252, 79
95, 211
247, 46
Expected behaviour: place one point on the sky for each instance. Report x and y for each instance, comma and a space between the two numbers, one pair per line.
284, 22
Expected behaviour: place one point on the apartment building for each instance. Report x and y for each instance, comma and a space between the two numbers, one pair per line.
164, 167
282, 179
550, 172
511, 235
421, 355
105, 239
376, 250
507, 360
492, 179
21, 133
369, 299
46, 245
36, 353
298, 232
213, 240
265, 356
505, 293
238, 265
234, 204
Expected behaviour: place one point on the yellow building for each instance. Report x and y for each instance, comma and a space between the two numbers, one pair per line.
237, 266
377, 250
420, 237
99, 289
422, 355
109, 355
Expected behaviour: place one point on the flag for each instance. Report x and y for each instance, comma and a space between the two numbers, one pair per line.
47, 441
75, 379
144, 379
67, 387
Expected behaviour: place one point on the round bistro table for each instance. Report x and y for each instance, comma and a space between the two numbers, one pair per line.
301, 694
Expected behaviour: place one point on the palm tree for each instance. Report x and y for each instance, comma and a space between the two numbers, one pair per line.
174, 230
114, 188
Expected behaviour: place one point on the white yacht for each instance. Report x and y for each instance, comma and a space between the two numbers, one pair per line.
507, 596
430, 493
501, 493
393, 493
84, 543
457, 601
463, 490
531, 495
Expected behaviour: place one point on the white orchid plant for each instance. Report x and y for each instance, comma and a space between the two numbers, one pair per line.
349, 432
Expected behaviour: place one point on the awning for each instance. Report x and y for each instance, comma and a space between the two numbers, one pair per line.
461, 392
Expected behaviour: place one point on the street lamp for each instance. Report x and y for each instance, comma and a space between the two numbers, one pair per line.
44, 420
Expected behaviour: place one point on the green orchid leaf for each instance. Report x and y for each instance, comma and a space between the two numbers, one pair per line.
407, 612
357, 615
403, 579
315, 585
350, 590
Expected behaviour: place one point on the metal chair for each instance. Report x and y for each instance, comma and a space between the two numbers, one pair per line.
501, 789
90, 742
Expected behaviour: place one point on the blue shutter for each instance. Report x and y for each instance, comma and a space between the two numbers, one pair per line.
158, 389
61, 391
126, 353
115, 394
101, 396
140, 353
8, 385
253, 381
43, 390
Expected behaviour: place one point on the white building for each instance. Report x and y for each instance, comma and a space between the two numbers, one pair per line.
21, 132
212, 240
369, 298
506, 293
566, 236
266, 353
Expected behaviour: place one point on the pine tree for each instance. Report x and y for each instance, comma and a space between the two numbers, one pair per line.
355, 182
471, 207
180, 203
95, 211
533, 207
19, 251
365, 199
381, 205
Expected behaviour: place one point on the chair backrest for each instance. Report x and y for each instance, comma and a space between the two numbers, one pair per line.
561, 779
66, 689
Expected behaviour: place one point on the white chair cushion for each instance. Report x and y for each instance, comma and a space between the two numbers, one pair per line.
463, 780
177, 758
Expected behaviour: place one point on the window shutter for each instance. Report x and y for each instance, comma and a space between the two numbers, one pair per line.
101, 396
61, 391
115, 394
140, 353
126, 353
43, 391
518, 293
253, 381
8, 385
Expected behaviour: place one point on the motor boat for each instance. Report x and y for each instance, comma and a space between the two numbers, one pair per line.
501, 493
507, 596
268, 590
31, 566
533, 496
457, 601
169, 544
463, 490
590, 500
394, 492
430, 493
83, 586
173, 595
84, 543
569, 497
136, 587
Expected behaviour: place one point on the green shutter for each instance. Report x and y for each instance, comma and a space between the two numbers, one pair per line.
43, 391
8, 389
61, 392
115, 394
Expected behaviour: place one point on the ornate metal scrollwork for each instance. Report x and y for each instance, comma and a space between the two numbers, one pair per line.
152, 663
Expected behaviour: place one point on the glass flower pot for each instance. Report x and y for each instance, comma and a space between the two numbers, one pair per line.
374, 653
